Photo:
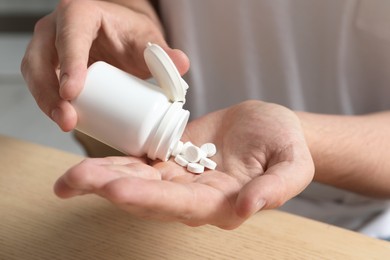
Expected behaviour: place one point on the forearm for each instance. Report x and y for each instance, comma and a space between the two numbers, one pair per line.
351, 152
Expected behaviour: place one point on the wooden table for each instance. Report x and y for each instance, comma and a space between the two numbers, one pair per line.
34, 224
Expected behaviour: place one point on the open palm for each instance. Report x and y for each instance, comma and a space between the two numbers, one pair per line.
262, 157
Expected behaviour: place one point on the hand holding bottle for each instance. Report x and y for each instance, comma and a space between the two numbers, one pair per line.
78, 33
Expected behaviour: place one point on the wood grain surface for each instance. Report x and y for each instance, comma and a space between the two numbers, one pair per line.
34, 224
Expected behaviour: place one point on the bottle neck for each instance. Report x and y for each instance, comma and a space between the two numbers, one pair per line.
169, 132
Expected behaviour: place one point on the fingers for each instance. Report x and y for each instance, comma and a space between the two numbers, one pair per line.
138, 188
127, 182
92, 174
180, 60
191, 203
39, 71
74, 42
263, 192
203, 200
141, 197
75, 33
64, 39
280, 183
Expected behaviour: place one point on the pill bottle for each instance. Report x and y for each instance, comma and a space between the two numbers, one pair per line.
132, 115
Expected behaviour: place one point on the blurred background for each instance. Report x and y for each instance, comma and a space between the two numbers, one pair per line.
20, 117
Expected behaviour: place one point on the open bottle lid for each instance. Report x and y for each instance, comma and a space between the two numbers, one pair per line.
165, 72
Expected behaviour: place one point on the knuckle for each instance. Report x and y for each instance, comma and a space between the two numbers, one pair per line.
64, 3
41, 24
75, 5
71, 10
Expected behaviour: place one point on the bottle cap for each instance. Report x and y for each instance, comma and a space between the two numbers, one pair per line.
165, 72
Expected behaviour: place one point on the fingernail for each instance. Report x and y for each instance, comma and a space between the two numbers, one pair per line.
64, 78
260, 204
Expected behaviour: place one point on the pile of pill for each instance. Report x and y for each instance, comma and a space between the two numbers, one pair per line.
194, 158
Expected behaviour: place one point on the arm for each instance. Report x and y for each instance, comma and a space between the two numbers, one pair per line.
350, 152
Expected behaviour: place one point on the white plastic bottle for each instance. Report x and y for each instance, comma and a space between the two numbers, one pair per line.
133, 115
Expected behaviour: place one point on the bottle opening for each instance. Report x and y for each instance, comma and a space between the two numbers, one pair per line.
169, 132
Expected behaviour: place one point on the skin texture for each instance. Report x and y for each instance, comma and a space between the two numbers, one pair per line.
75, 35
263, 161
350, 152
265, 151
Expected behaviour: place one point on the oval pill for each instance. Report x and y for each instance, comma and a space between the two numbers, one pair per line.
209, 148
208, 163
180, 160
195, 168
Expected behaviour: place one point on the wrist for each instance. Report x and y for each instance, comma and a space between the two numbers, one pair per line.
344, 149
322, 141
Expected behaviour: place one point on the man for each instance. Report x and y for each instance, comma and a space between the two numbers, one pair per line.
325, 58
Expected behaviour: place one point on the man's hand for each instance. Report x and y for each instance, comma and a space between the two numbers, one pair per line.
262, 157
78, 33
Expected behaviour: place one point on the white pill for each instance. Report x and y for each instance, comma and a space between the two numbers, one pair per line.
208, 163
193, 153
209, 148
186, 145
195, 168
180, 160
178, 148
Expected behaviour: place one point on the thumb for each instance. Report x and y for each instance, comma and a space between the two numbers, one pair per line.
258, 194
271, 190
